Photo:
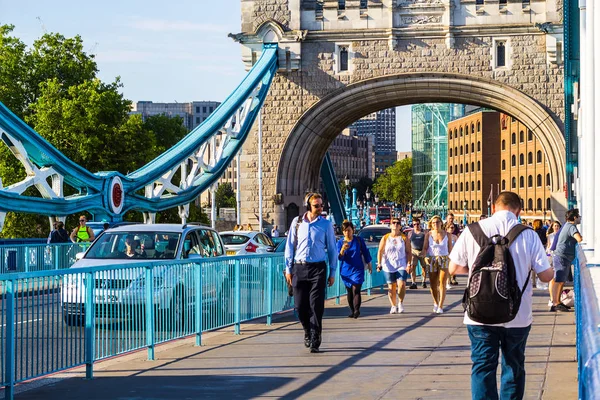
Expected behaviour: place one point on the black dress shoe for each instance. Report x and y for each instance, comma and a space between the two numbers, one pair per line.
351, 314
356, 314
315, 342
315, 350
307, 339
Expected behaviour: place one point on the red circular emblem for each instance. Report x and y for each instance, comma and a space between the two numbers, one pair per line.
117, 195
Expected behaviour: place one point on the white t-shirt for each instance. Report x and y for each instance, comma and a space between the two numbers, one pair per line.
527, 252
394, 254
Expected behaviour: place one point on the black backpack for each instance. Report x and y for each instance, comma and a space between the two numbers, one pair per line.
493, 295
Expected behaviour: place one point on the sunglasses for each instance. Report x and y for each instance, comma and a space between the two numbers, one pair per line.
82, 220
317, 205
395, 222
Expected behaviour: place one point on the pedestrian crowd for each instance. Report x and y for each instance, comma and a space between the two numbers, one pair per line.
81, 233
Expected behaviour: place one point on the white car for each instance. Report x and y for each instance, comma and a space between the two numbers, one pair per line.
246, 242
120, 293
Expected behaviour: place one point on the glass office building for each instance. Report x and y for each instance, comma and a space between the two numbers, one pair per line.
430, 153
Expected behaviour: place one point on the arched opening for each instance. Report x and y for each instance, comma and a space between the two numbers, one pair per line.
305, 147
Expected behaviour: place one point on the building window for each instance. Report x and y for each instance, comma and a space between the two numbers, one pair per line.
450, 188
478, 126
522, 204
472, 147
548, 203
500, 54
547, 179
472, 185
456, 151
467, 186
461, 168
521, 159
503, 165
478, 146
467, 168
197, 120
197, 110
466, 149
343, 56
478, 165
479, 204
522, 182
461, 131
529, 135
472, 167
204, 110
530, 204
210, 109
539, 204
530, 181
539, 180
503, 184
514, 183
503, 144
472, 204
513, 138
456, 187
466, 130
530, 158
521, 137
450, 152
451, 170
539, 156
472, 128
450, 134
478, 185
461, 187
513, 161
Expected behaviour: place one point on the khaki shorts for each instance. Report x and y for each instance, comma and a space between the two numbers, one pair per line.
437, 263
417, 257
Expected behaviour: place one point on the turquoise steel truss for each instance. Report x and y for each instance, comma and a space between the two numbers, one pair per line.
200, 158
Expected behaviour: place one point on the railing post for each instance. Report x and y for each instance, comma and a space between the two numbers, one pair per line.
26, 269
56, 251
198, 302
149, 279
90, 314
9, 357
238, 297
337, 286
270, 291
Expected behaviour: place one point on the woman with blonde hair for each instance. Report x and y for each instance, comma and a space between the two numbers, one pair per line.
437, 247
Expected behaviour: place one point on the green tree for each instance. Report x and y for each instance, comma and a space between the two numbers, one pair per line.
225, 196
395, 184
166, 130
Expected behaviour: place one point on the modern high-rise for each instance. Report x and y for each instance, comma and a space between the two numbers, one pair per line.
352, 156
381, 125
430, 152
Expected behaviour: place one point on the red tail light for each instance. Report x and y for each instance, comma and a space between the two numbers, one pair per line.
251, 247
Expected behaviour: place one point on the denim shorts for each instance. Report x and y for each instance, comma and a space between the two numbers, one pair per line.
392, 277
561, 268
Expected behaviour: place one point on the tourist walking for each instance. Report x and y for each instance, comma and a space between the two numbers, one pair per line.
510, 337
82, 233
437, 247
563, 257
310, 243
452, 230
353, 254
417, 240
60, 234
394, 258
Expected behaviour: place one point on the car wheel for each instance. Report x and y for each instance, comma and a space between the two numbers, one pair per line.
73, 319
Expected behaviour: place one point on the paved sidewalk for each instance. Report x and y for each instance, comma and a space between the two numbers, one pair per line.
415, 355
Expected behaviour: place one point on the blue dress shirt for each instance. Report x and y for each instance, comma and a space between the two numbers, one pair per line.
316, 242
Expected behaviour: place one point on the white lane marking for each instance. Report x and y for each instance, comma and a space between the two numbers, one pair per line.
24, 322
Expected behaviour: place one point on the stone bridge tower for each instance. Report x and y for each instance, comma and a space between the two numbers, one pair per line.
341, 60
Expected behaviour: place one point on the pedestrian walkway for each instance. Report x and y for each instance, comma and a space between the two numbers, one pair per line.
415, 355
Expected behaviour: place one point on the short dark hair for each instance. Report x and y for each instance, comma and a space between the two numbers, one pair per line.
347, 224
449, 214
509, 199
418, 220
572, 214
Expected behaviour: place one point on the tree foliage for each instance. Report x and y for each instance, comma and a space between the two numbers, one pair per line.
395, 184
54, 87
225, 196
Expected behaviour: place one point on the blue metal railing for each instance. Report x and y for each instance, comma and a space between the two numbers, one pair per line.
38, 256
588, 329
101, 312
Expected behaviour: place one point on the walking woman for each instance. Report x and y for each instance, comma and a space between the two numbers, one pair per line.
394, 257
437, 247
351, 252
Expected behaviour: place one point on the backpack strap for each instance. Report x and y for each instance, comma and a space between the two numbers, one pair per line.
515, 231
478, 234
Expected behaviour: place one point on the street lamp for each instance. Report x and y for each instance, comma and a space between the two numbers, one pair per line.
347, 183
443, 210
376, 209
465, 204
489, 207
368, 217
354, 210
410, 213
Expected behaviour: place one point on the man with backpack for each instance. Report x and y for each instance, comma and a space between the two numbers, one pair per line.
498, 253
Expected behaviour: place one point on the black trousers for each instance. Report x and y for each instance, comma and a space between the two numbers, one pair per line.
309, 281
353, 297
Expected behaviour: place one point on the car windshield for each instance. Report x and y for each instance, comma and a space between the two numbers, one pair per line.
234, 239
373, 235
126, 245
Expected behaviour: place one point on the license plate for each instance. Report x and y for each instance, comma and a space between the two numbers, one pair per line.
107, 298
231, 252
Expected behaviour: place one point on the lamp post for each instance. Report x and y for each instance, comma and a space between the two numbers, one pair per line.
489, 207
544, 221
347, 183
376, 209
443, 210
465, 203
425, 213
368, 217
354, 210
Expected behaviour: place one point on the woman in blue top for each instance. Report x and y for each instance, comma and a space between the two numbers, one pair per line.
352, 249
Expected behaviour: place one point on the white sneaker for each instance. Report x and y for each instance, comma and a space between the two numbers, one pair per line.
393, 310
435, 308
440, 310
448, 286
400, 308
550, 303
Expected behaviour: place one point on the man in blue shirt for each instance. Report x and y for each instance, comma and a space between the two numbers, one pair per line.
310, 243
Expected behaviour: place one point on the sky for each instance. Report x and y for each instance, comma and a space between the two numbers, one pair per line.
174, 51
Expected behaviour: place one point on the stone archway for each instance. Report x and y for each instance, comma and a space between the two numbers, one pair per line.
308, 141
